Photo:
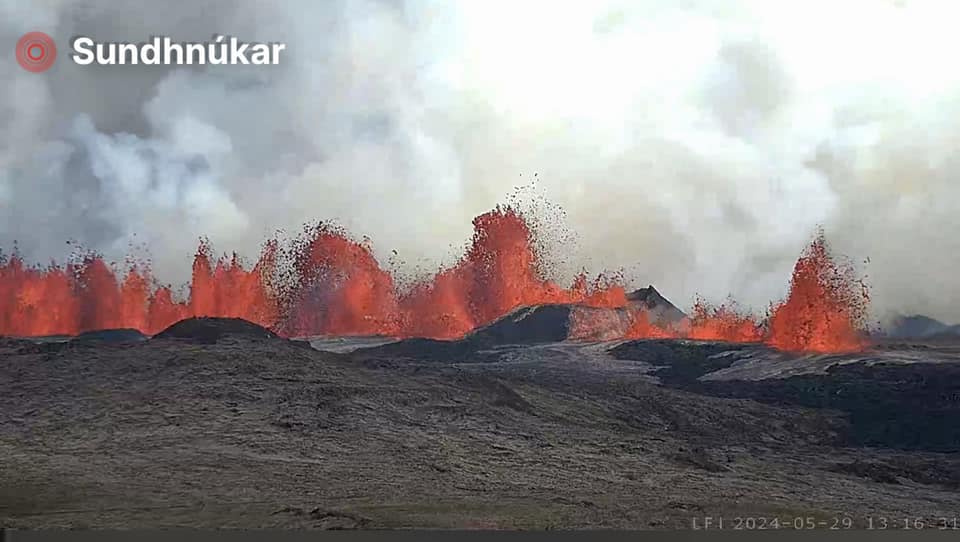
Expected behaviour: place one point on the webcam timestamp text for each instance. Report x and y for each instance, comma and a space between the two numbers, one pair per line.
835, 523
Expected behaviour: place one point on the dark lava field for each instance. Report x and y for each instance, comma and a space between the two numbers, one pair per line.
221, 424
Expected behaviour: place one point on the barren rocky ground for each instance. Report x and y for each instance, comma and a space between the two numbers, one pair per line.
239, 429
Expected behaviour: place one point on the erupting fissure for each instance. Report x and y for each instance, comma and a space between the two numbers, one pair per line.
325, 283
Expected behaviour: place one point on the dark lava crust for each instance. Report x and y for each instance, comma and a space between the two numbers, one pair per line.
220, 424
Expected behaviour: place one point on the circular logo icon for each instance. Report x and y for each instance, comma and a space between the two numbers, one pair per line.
36, 52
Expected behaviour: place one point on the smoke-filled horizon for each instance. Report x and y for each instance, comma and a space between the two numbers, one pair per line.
695, 146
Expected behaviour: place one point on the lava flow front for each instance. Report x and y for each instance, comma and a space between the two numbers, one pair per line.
325, 283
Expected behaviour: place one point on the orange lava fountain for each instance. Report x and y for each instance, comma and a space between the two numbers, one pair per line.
329, 284
826, 309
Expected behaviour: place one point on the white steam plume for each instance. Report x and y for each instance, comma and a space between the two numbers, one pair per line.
695, 144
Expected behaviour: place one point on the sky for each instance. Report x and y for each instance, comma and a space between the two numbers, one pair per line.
695, 145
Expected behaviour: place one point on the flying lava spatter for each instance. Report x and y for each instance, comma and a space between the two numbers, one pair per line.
826, 309
326, 283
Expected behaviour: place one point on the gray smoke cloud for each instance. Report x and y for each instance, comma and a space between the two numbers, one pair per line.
697, 145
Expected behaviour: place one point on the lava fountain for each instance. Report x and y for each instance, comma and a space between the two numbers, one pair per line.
325, 283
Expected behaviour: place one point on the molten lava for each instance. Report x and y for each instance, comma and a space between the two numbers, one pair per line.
643, 328
826, 309
499, 272
328, 284
723, 323
337, 288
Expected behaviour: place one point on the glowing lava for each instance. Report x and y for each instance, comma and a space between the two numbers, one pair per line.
826, 309
328, 284
499, 272
643, 328
723, 323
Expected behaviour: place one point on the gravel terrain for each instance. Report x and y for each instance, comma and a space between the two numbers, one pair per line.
223, 426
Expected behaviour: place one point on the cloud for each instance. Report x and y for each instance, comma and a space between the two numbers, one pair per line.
697, 146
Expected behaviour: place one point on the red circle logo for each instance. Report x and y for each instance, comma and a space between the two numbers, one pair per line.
36, 52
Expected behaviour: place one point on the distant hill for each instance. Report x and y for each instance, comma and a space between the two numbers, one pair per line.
951, 332
919, 327
551, 323
660, 310
539, 324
